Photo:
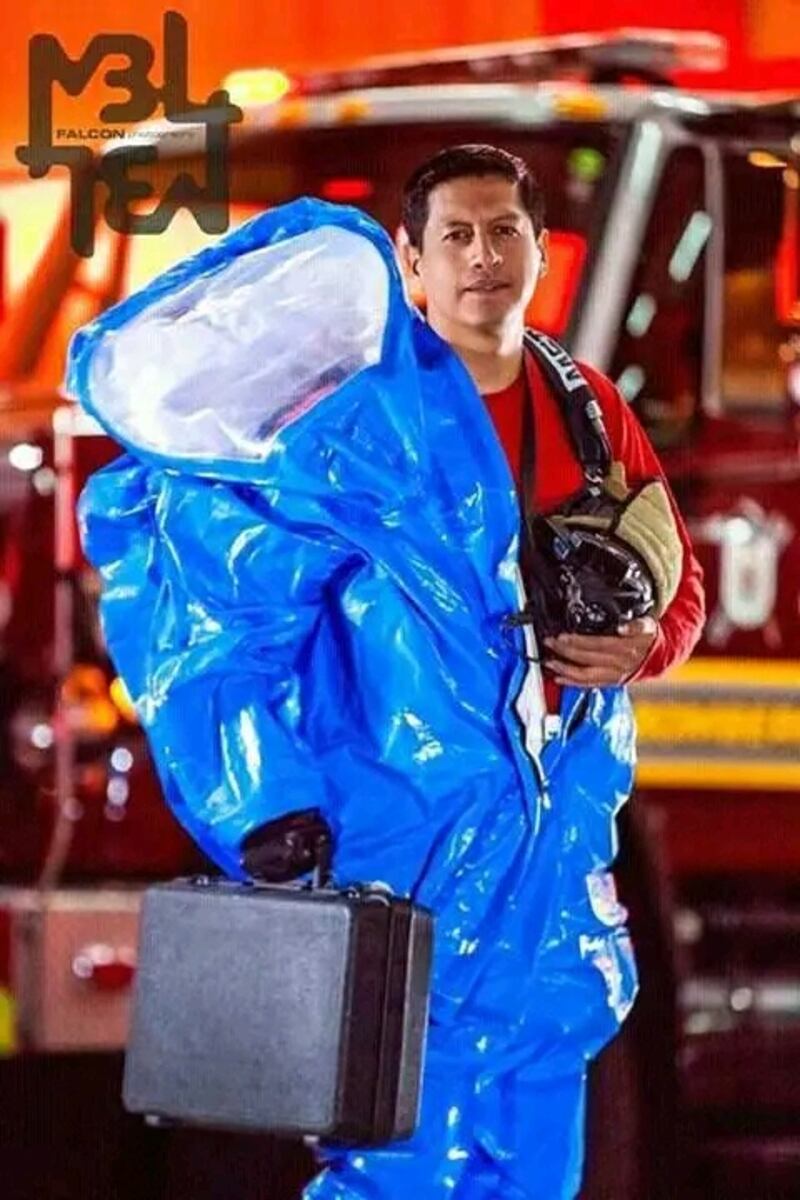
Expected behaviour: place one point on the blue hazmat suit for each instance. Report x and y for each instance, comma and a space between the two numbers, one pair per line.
307, 553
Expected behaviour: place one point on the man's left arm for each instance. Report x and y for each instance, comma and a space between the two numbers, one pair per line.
645, 648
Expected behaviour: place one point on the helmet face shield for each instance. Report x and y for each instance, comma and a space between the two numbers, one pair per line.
606, 584
224, 362
585, 581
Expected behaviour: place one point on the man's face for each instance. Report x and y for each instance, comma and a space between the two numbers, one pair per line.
480, 259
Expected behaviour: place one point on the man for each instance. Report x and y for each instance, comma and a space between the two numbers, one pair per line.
474, 238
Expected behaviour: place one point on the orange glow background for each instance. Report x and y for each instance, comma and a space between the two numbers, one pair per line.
307, 33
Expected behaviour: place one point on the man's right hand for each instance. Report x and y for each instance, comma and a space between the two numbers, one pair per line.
287, 847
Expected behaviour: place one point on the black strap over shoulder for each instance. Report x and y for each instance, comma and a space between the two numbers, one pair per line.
583, 418
580, 410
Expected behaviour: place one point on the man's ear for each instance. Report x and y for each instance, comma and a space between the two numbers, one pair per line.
408, 254
543, 242
408, 257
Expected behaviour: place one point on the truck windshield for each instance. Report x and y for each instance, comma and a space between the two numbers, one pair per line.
366, 165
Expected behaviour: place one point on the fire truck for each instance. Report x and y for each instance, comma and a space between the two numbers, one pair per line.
675, 268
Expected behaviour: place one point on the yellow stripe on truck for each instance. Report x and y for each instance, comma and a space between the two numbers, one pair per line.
703, 774
719, 724
729, 723
742, 672
8, 1023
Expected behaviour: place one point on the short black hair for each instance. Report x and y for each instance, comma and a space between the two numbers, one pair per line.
456, 162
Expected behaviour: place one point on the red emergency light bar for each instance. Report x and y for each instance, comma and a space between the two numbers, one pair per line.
347, 190
787, 263
649, 54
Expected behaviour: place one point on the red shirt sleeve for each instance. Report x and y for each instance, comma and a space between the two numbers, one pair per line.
681, 625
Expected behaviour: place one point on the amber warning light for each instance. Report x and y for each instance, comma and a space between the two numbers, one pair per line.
263, 85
